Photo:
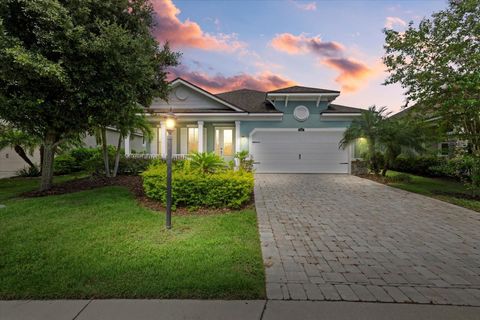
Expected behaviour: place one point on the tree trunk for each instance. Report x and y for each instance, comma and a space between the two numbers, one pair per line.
105, 152
42, 149
117, 155
47, 165
19, 150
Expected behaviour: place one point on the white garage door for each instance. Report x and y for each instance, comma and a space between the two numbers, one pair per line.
299, 152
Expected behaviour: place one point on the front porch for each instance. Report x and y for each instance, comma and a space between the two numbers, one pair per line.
221, 137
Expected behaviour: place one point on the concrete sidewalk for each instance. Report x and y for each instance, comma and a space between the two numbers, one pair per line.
231, 310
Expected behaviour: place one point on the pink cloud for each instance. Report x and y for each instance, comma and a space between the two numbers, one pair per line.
390, 22
263, 81
307, 6
188, 33
352, 73
302, 44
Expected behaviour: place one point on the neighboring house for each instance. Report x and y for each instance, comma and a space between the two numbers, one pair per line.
10, 161
445, 148
295, 129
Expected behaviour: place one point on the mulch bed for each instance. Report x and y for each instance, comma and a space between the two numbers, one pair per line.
132, 183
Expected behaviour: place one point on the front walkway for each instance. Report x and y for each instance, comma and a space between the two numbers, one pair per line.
340, 237
221, 310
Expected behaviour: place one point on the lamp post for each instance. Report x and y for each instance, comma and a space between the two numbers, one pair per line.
170, 126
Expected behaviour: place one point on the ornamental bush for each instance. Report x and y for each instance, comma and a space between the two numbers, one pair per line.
421, 165
193, 189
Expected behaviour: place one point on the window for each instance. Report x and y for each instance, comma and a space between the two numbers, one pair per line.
192, 138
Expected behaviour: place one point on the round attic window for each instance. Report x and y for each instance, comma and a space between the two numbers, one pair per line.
181, 93
301, 113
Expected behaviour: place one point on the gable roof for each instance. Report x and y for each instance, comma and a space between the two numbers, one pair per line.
336, 108
300, 89
249, 100
205, 92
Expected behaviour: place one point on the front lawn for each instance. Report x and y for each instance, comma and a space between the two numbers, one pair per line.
442, 189
101, 244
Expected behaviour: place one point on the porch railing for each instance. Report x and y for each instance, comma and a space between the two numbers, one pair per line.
177, 156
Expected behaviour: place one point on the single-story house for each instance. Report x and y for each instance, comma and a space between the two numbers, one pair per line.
295, 129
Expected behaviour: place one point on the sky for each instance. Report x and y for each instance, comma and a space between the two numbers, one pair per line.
266, 45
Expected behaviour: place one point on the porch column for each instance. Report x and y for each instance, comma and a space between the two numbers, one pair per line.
127, 145
237, 136
163, 137
200, 136
237, 141
154, 141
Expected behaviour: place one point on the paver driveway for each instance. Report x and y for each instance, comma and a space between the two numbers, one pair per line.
340, 237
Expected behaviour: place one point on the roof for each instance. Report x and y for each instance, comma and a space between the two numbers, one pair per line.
194, 86
336, 108
252, 101
178, 110
300, 89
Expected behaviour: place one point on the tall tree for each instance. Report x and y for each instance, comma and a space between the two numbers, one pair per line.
438, 63
65, 65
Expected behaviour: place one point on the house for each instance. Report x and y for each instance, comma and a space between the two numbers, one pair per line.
11, 162
294, 129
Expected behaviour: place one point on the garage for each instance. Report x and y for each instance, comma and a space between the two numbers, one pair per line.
299, 151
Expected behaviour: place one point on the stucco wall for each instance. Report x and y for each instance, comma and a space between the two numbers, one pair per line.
314, 120
10, 162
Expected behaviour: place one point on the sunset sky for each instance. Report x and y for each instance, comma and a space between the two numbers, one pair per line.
265, 45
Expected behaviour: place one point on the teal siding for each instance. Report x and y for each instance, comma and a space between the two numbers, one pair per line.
290, 122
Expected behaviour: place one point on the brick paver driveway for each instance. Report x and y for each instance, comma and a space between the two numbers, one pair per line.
340, 237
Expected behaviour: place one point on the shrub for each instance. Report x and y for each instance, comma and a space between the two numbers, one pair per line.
245, 161
206, 162
29, 172
423, 165
83, 154
228, 188
64, 164
465, 168
400, 178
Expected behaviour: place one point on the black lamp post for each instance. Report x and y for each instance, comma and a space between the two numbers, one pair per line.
170, 126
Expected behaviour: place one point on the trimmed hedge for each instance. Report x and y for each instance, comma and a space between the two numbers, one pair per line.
225, 189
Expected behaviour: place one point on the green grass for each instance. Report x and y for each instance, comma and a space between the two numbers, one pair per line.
100, 243
436, 188
12, 187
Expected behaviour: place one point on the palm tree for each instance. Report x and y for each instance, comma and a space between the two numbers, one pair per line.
398, 135
206, 162
18, 141
131, 122
369, 127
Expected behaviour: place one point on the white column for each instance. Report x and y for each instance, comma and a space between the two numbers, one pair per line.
200, 136
127, 145
154, 141
237, 141
163, 137
237, 136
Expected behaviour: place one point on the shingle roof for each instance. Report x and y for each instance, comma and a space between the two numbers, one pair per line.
336, 108
300, 89
180, 110
252, 101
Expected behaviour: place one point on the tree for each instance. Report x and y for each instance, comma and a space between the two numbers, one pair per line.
400, 135
19, 141
368, 127
129, 124
438, 63
65, 65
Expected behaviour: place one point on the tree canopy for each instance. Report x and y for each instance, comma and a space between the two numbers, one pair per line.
68, 65
438, 63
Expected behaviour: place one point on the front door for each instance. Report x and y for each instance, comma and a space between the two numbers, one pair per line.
224, 145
